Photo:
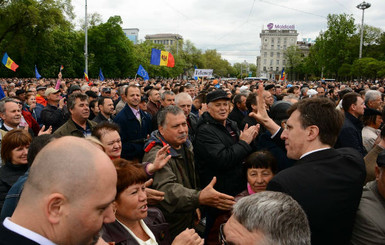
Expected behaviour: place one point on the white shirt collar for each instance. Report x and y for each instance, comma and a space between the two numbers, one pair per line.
310, 152
8, 127
26, 233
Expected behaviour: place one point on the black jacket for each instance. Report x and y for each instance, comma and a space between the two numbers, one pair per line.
218, 154
351, 134
53, 116
11, 238
100, 118
328, 186
9, 173
237, 116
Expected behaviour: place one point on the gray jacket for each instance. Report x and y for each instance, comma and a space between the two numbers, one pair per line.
369, 227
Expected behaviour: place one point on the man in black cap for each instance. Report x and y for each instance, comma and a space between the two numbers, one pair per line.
220, 148
40, 90
106, 92
20, 94
369, 227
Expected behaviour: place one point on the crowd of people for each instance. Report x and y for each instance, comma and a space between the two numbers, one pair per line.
192, 162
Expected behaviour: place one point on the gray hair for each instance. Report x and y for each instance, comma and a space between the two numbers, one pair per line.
72, 98
174, 110
372, 95
122, 90
276, 215
182, 96
167, 92
3, 101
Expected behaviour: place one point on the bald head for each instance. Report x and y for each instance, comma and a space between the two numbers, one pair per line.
69, 165
69, 192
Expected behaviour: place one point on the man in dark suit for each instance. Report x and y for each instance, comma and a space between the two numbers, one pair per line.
67, 197
239, 111
326, 182
135, 126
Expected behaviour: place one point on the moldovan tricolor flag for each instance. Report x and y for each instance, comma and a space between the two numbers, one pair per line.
283, 74
86, 76
162, 58
9, 63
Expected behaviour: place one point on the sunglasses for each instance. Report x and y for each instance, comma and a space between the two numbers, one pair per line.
222, 238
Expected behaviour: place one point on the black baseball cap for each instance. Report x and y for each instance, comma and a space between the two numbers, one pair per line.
216, 95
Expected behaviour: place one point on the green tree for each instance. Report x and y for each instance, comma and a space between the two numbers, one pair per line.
293, 58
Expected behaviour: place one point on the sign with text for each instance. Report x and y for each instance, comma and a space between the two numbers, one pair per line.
271, 26
203, 72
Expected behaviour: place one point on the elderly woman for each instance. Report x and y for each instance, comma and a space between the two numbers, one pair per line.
132, 225
14, 150
259, 168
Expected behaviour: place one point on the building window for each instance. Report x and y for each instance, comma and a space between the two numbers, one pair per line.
264, 68
271, 62
277, 62
271, 54
278, 54
171, 42
277, 68
272, 46
278, 46
166, 42
265, 54
264, 61
265, 40
279, 40
272, 40
284, 62
284, 46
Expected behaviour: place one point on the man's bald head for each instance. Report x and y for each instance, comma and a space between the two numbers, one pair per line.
67, 166
70, 189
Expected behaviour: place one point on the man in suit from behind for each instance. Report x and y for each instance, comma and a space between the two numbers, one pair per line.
326, 182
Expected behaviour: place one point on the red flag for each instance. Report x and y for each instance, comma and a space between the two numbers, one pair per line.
171, 61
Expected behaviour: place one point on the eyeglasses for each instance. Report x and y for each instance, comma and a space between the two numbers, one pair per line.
222, 238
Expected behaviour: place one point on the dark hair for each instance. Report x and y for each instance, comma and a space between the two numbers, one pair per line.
238, 98
128, 174
102, 99
72, 98
37, 144
322, 113
93, 103
13, 139
261, 159
349, 99
251, 100
130, 86
99, 130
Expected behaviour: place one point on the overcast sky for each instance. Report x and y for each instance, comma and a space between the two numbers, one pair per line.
230, 27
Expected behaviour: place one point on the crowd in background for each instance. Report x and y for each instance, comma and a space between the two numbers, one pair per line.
186, 152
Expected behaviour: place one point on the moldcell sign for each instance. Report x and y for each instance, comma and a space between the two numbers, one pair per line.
280, 27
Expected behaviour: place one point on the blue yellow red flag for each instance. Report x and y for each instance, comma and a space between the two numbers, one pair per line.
86, 76
9, 63
162, 58
283, 74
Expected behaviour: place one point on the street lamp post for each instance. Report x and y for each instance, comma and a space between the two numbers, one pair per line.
362, 6
86, 40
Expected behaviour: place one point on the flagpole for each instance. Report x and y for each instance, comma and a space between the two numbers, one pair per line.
86, 39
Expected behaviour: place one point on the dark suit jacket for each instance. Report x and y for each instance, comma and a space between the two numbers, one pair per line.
237, 116
8, 237
351, 134
133, 132
328, 186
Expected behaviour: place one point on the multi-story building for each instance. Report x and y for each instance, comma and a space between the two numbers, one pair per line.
167, 39
274, 41
132, 34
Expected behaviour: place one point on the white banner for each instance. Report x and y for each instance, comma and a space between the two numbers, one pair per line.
203, 72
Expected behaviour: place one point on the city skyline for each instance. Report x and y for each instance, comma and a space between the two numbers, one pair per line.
230, 27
